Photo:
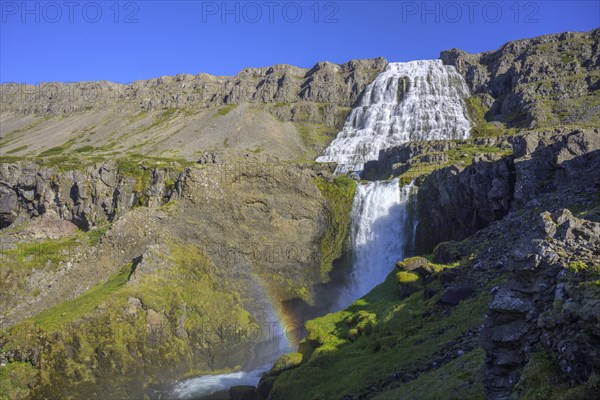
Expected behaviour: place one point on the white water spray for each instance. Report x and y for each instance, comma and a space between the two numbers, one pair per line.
273, 335
409, 101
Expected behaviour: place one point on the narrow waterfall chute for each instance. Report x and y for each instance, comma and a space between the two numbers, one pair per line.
382, 232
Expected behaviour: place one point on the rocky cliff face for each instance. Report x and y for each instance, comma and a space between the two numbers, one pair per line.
543, 81
96, 194
549, 302
457, 201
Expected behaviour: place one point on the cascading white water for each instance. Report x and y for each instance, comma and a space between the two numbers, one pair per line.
381, 231
409, 101
417, 100
203, 386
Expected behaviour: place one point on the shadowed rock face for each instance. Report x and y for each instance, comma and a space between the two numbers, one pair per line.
543, 302
258, 223
455, 202
536, 82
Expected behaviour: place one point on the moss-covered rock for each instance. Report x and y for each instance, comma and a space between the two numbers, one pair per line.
447, 252
408, 283
340, 196
286, 362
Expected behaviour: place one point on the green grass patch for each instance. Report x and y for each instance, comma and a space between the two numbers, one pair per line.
466, 153
39, 254
94, 235
15, 380
85, 149
315, 136
72, 310
45, 254
461, 381
542, 380
161, 119
480, 126
18, 149
12, 159
54, 151
463, 153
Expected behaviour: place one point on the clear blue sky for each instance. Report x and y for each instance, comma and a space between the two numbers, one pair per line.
129, 40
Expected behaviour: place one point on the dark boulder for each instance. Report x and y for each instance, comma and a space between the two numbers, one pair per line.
457, 293
447, 276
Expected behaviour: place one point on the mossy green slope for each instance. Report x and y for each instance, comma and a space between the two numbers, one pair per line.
121, 335
379, 335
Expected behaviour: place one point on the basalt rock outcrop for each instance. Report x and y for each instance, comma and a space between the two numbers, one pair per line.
98, 193
546, 302
543, 81
455, 202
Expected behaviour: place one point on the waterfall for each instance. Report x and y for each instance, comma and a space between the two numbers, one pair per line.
419, 100
382, 230
409, 101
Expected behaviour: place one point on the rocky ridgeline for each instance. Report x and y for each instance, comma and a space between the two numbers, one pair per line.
338, 85
542, 81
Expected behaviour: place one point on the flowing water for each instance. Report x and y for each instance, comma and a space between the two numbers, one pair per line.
418, 100
409, 101
381, 234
